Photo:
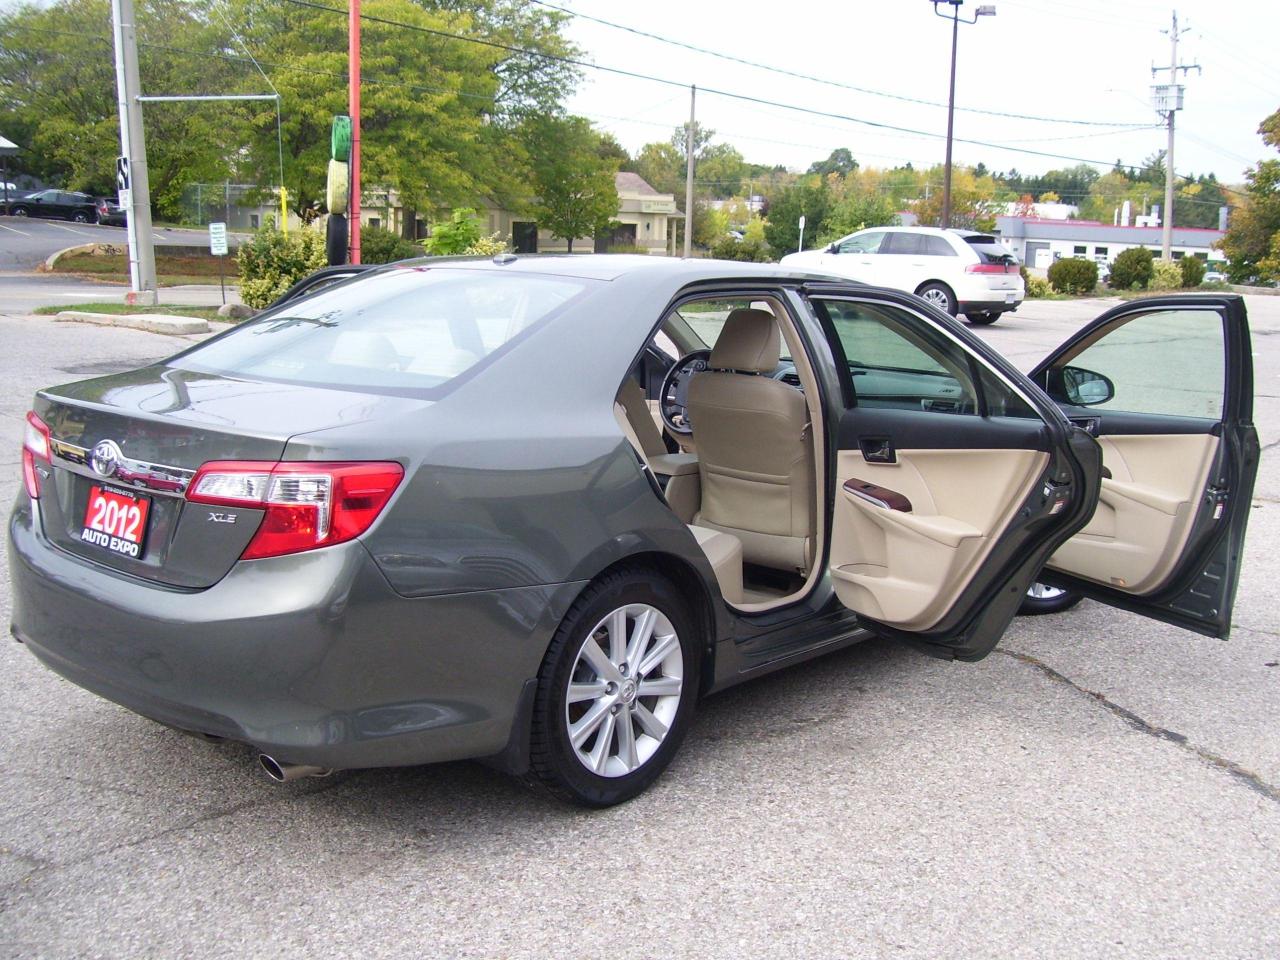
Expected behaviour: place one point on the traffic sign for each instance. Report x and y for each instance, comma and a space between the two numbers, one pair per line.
122, 173
218, 239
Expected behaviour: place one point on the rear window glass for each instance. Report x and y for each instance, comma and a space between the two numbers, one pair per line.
407, 331
989, 249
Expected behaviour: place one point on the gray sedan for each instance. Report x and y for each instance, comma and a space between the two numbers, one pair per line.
530, 510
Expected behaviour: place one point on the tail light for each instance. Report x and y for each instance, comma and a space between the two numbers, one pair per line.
990, 268
307, 505
35, 446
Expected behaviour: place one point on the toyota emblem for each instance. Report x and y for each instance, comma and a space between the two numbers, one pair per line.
106, 458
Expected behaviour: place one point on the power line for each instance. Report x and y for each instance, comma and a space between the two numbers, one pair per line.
759, 101
815, 79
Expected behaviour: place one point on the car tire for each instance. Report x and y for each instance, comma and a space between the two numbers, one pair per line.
80, 217
19, 212
940, 296
1042, 598
982, 319
596, 738
336, 240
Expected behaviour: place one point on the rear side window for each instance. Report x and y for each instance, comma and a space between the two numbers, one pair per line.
896, 360
937, 247
408, 331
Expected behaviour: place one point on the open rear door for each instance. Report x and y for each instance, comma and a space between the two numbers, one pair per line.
954, 478
1166, 386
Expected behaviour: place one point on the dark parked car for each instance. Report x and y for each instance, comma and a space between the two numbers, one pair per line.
57, 204
111, 214
532, 509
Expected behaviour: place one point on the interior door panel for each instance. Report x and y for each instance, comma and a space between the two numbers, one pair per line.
1145, 510
908, 567
1174, 421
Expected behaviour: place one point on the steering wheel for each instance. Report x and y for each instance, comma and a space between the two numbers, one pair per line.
675, 391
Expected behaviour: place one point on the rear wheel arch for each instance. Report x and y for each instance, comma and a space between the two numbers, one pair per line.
946, 288
692, 588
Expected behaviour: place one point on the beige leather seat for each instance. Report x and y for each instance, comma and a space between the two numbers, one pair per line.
755, 451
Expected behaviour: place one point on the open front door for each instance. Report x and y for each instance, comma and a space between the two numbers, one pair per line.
1166, 385
954, 477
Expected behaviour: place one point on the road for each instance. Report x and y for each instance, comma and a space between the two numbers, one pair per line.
26, 242
1100, 786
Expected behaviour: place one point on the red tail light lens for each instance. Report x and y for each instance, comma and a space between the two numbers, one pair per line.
35, 446
990, 268
307, 505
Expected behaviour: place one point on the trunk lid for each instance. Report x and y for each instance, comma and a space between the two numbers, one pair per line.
152, 429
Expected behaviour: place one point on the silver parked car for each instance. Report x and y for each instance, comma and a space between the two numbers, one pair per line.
532, 509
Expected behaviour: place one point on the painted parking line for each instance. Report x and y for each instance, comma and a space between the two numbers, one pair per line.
71, 230
14, 230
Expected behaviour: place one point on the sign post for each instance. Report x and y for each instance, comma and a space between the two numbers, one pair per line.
800, 248
218, 247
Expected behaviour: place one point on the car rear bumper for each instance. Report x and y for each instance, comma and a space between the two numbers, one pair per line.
989, 306
311, 658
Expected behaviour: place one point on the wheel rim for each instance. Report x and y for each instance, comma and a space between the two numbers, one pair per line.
624, 690
938, 298
19, 212
1042, 591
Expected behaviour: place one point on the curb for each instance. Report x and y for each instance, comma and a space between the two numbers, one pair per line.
106, 249
151, 322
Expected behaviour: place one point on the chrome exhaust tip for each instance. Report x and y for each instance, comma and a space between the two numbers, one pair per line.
284, 772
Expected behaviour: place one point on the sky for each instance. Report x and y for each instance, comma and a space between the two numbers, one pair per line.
1084, 60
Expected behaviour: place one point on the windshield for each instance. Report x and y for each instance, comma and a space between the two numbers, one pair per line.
401, 331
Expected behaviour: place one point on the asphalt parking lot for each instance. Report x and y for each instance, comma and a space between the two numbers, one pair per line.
1100, 786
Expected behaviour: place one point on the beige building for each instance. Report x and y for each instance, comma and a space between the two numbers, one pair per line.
644, 222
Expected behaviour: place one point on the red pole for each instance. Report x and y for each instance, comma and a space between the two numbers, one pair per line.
353, 83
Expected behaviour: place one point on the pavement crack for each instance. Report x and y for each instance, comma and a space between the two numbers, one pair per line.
1243, 775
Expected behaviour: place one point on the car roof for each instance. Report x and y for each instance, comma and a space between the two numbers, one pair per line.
611, 266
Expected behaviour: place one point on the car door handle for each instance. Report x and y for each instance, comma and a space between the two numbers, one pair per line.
877, 450
1090, 425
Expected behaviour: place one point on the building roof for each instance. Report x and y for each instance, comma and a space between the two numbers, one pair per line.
7, 147
633, 183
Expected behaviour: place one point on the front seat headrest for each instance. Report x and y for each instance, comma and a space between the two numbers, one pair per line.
749, 342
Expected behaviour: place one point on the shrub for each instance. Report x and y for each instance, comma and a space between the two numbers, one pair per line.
1166, 275
1132, 269
729, 248
382, 246
455, 236
487, 246
1073, 275
272, 262
1037, 287
1192, 271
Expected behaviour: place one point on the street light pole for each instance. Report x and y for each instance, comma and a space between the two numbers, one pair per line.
956, 20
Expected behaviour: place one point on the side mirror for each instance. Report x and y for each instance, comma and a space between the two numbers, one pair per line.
1085, 388
834, 248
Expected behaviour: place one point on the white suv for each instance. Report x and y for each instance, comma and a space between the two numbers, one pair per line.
959, 271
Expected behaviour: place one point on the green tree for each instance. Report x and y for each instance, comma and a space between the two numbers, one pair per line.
807, 198
662, 167
701, 140
1252, 242
721, 170
855, 211
575, 186
58, 96
840, 162
972, 200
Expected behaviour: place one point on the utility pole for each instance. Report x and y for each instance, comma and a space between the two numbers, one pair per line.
131, 169
1168, 100
353, 106
956, 20
688, 175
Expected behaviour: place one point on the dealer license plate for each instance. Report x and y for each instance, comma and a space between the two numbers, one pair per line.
1010, 297
116, 520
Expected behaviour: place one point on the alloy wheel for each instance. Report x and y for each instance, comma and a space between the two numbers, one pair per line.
938, 298
1042, 591
624, 690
